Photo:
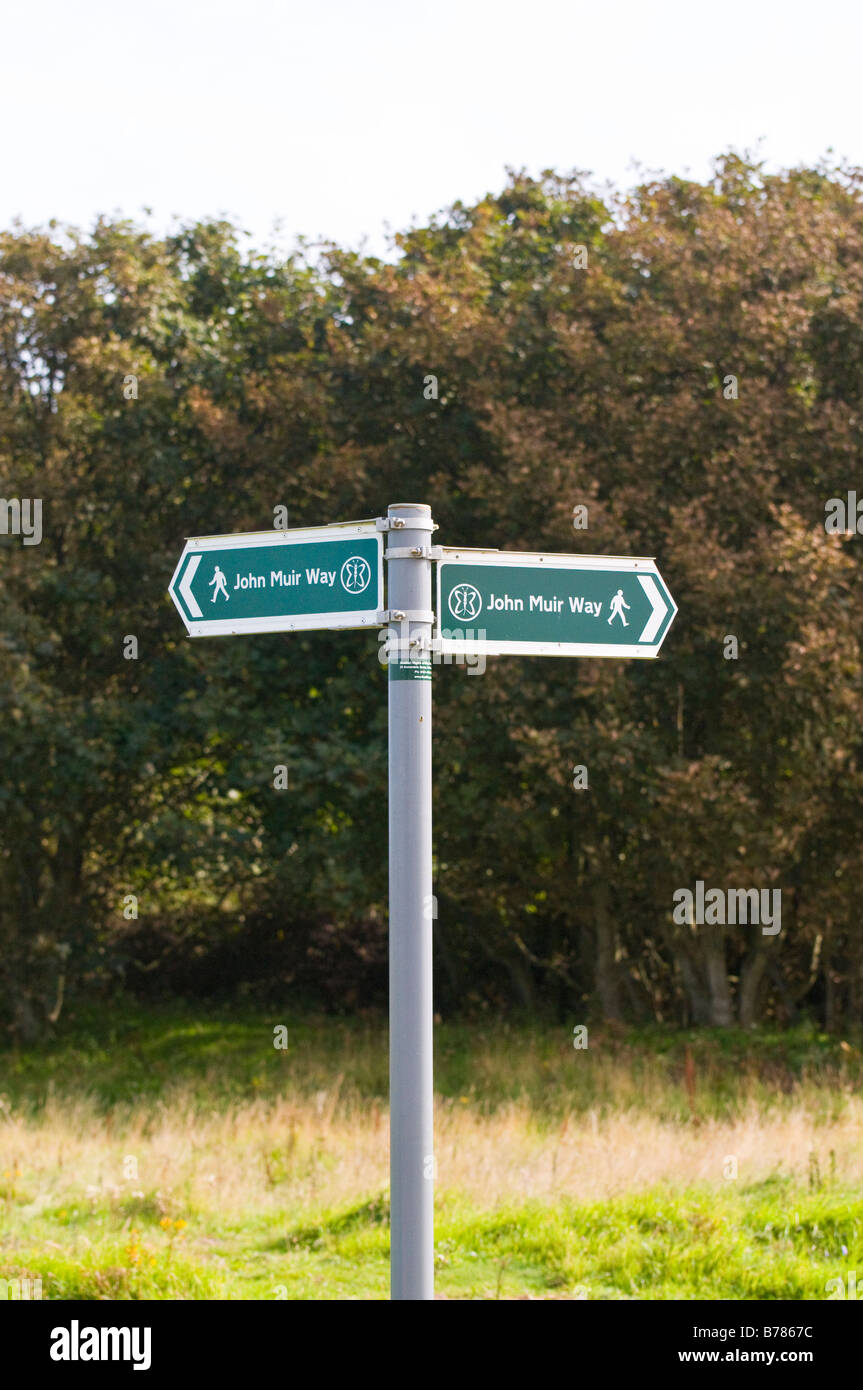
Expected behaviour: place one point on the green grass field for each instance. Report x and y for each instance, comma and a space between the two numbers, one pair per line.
178, 1154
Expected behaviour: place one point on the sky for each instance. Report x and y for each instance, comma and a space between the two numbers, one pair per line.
349, 120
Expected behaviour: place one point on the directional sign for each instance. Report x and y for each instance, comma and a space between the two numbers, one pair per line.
503, 603
281, 581
487, 601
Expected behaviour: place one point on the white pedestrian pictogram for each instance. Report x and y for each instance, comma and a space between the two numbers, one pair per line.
219, 580
617, 607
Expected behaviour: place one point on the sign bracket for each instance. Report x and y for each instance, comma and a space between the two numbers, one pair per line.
398, 523
413, 552
405, 615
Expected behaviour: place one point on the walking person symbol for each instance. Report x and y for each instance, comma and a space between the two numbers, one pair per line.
219, 580
617, 607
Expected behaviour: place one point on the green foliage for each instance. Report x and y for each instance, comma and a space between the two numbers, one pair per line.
131, 1053
687, 1245
263, 383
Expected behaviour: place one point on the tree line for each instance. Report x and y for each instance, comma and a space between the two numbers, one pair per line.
675, 370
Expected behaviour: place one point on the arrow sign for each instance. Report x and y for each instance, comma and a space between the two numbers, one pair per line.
487, 601
503, 603
281, 581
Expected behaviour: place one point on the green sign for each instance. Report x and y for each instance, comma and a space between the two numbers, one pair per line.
550, 605
281, 581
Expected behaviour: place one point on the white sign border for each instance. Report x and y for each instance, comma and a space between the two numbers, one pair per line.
299, 622
641, 564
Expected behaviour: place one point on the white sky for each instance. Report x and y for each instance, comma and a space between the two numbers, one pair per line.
338, 118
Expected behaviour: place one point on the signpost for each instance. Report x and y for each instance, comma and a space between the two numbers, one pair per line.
281, 581
488, 601
412, 1161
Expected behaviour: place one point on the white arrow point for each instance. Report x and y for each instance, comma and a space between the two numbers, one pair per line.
658, 604
185, 587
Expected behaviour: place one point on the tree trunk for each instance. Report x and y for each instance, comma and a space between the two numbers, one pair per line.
606, 981
830, 1000
25, 1025
721, 1015
752, 973
523, 985
695, 992
790, 1001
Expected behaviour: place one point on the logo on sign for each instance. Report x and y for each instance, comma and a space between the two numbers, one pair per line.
465, 601
356, 574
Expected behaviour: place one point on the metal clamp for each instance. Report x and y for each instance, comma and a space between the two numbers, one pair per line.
400, 615
413, 552
404, 523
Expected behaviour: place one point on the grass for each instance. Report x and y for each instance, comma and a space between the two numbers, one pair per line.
178, 1154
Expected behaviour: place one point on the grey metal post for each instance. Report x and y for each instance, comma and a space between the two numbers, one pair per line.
409, 591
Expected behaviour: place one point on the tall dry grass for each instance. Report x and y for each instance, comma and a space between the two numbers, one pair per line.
331, 1149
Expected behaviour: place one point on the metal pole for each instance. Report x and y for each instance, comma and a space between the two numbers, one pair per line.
412, 1164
